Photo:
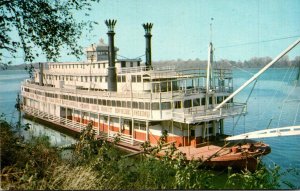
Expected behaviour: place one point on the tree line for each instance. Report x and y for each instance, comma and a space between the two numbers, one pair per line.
255, 62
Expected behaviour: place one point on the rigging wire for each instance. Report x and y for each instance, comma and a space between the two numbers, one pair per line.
287, 97
246, 103
295, 120
257, 42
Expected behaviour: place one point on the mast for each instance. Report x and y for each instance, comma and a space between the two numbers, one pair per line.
209, 67
258, 74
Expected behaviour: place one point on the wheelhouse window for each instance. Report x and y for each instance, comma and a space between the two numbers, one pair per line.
123, 64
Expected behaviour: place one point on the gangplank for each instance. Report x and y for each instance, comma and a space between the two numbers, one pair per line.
275, 132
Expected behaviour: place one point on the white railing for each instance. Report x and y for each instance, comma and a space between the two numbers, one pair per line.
196, 114
76, 126
54, 119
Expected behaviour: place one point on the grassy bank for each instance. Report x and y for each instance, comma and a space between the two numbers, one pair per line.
35, 164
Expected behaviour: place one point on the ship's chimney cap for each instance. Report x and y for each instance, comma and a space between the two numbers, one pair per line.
110, 23
148, 27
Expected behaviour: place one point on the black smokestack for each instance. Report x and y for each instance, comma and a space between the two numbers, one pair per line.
41, 76
112, 75
148, 27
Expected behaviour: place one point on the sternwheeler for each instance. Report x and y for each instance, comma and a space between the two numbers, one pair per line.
138, 101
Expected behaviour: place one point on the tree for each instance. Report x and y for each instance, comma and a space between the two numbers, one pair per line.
45, 24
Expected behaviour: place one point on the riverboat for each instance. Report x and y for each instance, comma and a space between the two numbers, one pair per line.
139, 101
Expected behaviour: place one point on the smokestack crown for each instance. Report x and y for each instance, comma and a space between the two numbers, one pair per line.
147, 27
110, 23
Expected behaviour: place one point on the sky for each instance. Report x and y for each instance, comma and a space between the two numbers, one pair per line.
241, 29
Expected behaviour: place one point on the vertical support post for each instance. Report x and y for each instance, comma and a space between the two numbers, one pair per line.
221, 126
188, 134
108, 125
66, 117
147, 130
132, 132
160, 109
120, 124
98, 131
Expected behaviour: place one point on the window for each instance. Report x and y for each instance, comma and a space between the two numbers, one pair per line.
210, 100
128, 104
108, 102
135, 105
123, 103
123, 64
141, 105
95, 101
147, 106
131, 64
118, 103
196, 102
203, 101
138, 78
103, 102
119, 78
192, 133
133, 78
99, 101
165, 105
123, 78
219, 99
187, 103
98, 65
155, 106
113, 103
138, 63
177, 104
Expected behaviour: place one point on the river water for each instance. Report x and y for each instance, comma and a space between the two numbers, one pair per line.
274, 102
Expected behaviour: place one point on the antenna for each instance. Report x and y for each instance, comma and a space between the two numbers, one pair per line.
211, 20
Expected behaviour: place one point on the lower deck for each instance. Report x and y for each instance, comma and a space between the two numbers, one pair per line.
131, 131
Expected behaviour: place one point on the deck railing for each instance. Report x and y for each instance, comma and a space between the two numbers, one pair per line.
195, 114
77, 126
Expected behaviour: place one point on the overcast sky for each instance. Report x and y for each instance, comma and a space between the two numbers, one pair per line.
181, 28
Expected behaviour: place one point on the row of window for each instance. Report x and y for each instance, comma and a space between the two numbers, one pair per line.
70, 66
98, 65
135, 105
121, 78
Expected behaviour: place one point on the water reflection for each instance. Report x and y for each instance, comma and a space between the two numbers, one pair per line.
56, 138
